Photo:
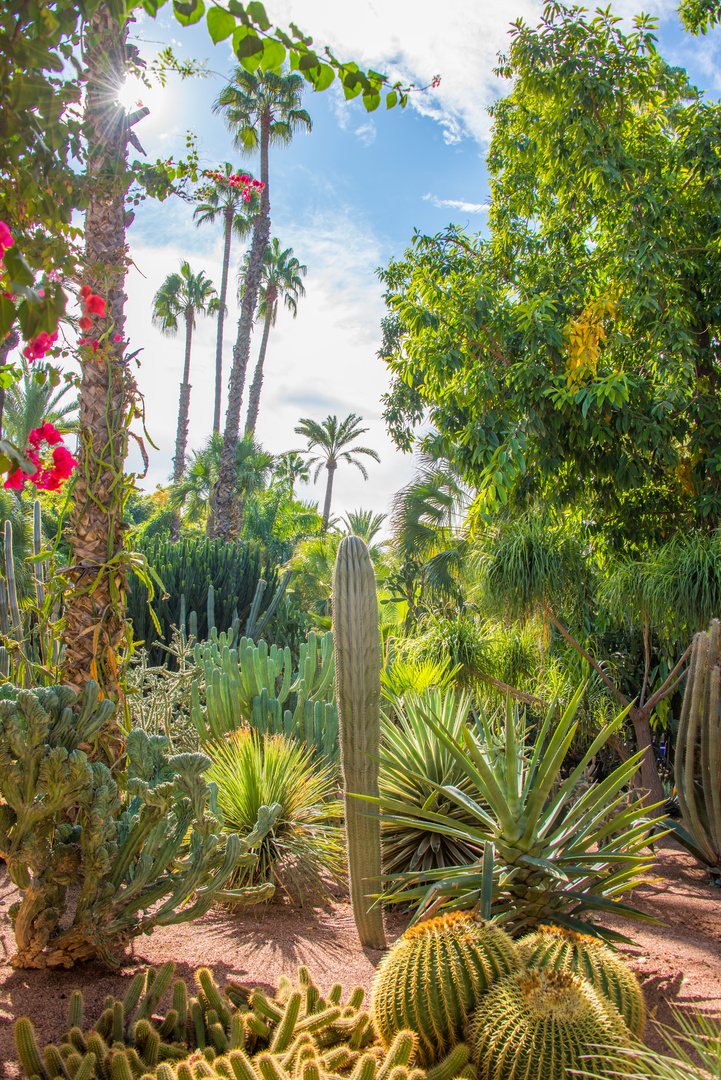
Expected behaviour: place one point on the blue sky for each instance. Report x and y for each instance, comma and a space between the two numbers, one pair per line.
347, 197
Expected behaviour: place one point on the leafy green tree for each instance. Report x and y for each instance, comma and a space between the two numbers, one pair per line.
224, 201
261, 109
292, 468
334, 442
282, 278
574, 351
183, 296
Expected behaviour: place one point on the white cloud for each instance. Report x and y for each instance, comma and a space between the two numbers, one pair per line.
413, 41
456, 204
366, 133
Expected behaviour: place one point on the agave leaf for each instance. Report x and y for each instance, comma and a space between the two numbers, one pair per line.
493, 790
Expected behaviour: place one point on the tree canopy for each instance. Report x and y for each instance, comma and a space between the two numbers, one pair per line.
573, 352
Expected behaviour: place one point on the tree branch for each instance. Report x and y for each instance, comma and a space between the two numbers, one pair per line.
666, 688
587, 656
527, 699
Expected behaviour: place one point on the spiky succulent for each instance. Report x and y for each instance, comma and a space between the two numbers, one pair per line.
434, 977
545, 1025
607, 971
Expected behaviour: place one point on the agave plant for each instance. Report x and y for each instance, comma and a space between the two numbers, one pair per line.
694, 1052
559, 858
307, 839
401, 676
414, 765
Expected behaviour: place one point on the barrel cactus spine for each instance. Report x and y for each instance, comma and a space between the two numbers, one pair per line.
434, 977
356, 636
607, 971
548, 1024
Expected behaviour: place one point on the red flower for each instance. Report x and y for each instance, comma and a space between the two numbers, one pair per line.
45, 432
117, 337
85, 291
64, 462
94, 345
95, 304
16, 480
85, 323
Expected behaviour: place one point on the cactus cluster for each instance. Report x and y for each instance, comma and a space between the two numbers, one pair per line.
433, 978
218, 582
155, 855
581, 954
238, 1034
256, 685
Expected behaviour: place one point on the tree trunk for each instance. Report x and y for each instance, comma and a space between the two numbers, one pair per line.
228, 215
644, 741
181, 438
331, 467
257, 385
95, 600
241, 349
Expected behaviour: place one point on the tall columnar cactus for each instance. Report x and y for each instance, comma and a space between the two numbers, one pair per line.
698, 750
356, 634
158, 855
607, 971
547, 1024
434, 977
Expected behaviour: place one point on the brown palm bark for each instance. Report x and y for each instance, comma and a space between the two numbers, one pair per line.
241, 350
228, 224
331, 466
257, 385
95, 601
181, 438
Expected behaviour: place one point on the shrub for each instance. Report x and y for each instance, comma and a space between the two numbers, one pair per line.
306, 840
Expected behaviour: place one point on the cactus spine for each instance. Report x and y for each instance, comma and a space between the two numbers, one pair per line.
433, 978
698, 750
356, 635
547, 1024
608, 973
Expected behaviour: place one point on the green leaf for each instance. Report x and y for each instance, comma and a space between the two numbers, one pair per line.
7, 315
257, 13
371, 101
189, 13
322, 76
17, 267
274, 54
391, 99
247, 43
221, 24
307, 61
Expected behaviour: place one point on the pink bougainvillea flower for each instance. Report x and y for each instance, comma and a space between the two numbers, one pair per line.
16, 480
95, 304
94, 345
46, 432
64, 462
85, 323
38, 346
54, 275
6, 237
117, 337
85, 292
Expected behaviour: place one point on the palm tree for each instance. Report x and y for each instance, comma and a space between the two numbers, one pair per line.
282, 278
261, 108
290, 468
221, 199
183, 296
331, 439
364, 523
28, 404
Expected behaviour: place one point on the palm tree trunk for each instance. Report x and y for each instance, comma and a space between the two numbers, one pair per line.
181, 438
228, 213
241, 350
95, 600
257, 385
331, 467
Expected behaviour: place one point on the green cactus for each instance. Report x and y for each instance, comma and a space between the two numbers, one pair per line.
546, 1024
213, 580
698, 753
256, 685
128, 855
434, 977
356, 634
607, 971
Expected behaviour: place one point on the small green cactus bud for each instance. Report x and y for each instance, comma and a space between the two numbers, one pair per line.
241, 1066
365, 1068
261, 1004
151, 1050
169, 1024
184, 1072
400, 1072
104, 1026
28, 1051
204, 978
269, 1068
256, 1026
118, 1022
135, 989
310, 1071
218, 1036
164, 1072
120, 1067
180, 1004
402, 1051
452, 1065
198, 1023
77, 1038
155, 992
356, 997
86, 1070
237, 1032
54, 1063
75, 1010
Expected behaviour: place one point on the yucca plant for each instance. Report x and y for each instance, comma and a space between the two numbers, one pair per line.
694, 1052
558, 858
401, 676
307, 839
415, 763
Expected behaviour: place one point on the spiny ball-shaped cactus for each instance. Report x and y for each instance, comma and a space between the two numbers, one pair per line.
608, 973
434, 977
544, 1024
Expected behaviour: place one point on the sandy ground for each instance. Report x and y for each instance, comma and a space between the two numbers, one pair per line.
679, 964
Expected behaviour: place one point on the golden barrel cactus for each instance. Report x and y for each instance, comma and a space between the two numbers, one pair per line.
545, 1024
607, 971
433, 978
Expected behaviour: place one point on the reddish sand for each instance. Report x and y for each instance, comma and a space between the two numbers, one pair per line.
678, 964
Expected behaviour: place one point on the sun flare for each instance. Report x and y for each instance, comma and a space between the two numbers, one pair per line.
134, 93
